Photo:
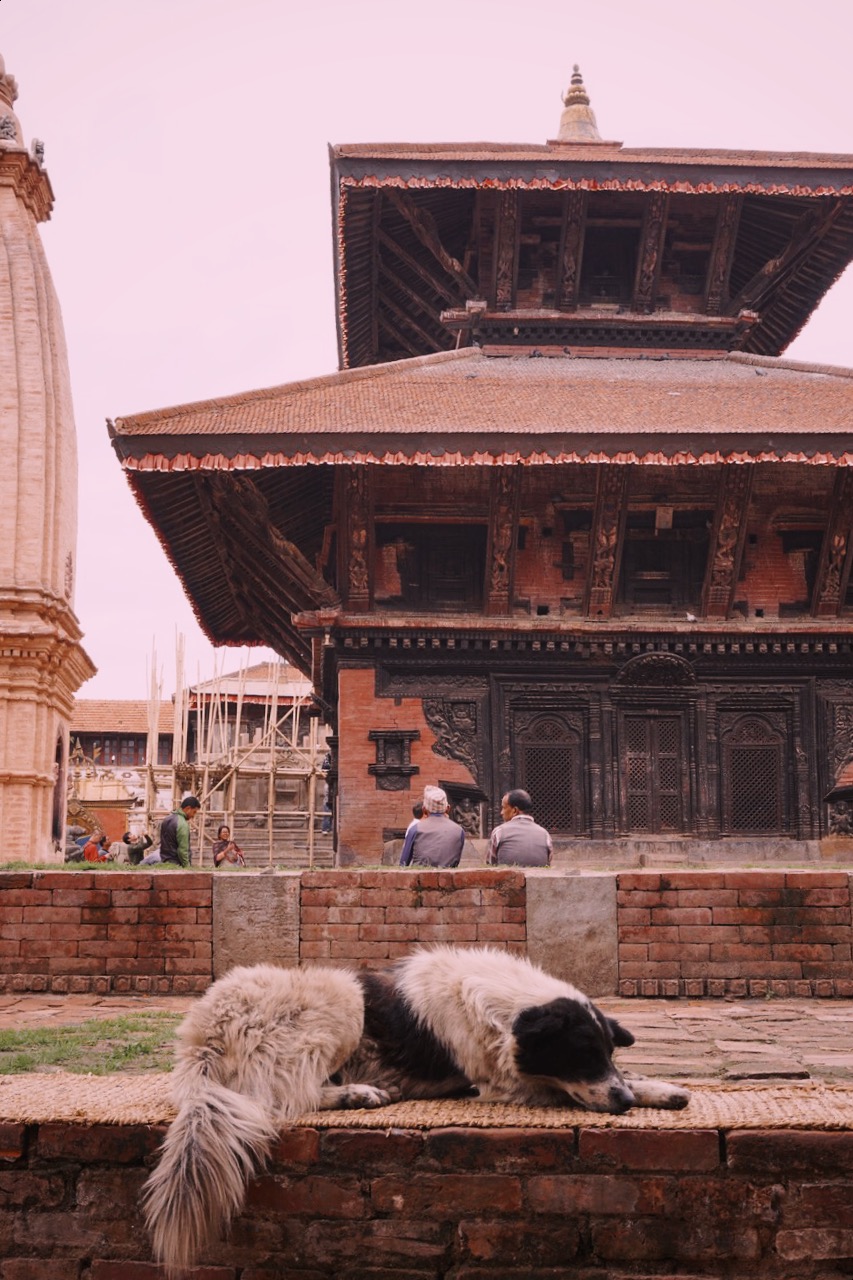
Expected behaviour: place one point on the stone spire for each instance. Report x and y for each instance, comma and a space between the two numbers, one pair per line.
577, 123
42, 662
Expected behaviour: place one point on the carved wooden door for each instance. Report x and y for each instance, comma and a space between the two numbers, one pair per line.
654, 791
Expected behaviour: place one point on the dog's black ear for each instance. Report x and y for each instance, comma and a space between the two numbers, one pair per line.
622, 1037
543, 1021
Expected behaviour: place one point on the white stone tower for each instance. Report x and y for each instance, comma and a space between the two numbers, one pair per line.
42, 662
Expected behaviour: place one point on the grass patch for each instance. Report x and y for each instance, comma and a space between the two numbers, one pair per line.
136, 1042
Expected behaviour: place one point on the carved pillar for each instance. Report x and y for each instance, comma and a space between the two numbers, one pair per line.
507, 253
727, 540
503, 522
355, 538
651, 248
720, 262
571, 249
608, 522
834, 568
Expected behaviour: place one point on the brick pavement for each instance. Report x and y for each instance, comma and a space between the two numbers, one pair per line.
679, 1039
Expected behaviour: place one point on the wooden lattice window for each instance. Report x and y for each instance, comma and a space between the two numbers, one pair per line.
550, 771
753, 779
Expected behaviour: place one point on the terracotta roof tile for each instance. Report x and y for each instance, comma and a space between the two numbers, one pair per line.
609, 152
470, 392
116, 716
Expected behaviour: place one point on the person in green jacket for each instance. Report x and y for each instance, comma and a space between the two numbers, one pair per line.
175, 835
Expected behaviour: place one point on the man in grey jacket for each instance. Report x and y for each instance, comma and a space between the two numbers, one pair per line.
518, 841
436, 840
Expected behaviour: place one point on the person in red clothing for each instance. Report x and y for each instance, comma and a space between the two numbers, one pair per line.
97, 850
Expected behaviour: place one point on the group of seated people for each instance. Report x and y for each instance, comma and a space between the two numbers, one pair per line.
433, 839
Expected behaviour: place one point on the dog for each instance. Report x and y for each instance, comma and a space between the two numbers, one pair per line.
265, 1045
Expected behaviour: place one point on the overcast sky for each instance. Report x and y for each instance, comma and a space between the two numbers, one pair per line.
190, 243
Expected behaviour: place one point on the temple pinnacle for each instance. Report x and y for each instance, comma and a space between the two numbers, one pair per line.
577, 123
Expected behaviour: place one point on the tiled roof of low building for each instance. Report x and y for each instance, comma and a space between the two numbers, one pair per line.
117, 716
560, 400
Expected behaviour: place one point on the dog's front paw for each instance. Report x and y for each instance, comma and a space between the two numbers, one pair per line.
355, 1096
675, 1100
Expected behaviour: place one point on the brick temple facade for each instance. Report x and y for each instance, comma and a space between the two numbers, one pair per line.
565, 518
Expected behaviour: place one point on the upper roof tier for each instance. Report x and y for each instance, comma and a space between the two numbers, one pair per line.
581, 242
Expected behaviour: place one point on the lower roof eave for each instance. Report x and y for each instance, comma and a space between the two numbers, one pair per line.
486, 448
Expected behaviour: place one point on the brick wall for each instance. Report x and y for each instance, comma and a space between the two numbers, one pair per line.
451, 1202
685, 933
371, 917
364, 809
105, 932
741, 933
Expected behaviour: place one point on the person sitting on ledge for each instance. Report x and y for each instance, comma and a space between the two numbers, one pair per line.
518, 841
226, 850
435, 840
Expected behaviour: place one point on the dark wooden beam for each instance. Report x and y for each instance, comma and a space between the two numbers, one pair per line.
722, 253
423, 224
650, 251
443, 290
606, 539
805, 238
571, 249
503, 528
727, 539
374, 277
836, 553
308, 587
400, 338
404, 317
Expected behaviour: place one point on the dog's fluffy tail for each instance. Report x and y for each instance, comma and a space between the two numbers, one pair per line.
217, 1141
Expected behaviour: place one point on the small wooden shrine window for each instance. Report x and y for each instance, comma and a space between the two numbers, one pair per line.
430, 566
664, 557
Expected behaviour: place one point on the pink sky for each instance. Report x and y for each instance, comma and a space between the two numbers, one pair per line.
191, 243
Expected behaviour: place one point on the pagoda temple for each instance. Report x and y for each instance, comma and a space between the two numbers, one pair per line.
564, 518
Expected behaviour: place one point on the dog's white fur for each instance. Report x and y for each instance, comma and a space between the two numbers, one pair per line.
262, 1044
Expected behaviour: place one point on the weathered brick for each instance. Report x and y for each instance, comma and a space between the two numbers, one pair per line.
324, 1197
429, 1195
659, 1149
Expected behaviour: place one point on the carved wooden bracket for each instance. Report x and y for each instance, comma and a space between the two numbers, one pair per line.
727, 541
506, 255
834, 569
720, 264
355, 525
610, 498
571, 249
651, 249
503, 521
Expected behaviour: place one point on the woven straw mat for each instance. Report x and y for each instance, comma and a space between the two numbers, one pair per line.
145, 1099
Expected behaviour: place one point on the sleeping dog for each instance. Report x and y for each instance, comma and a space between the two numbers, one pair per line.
265, 1045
